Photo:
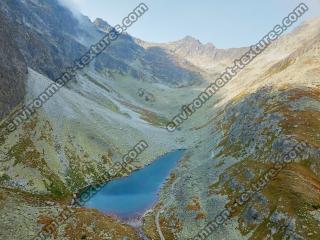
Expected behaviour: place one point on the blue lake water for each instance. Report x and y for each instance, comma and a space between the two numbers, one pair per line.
131, 196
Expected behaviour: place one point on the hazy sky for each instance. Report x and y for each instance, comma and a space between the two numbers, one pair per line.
225, 23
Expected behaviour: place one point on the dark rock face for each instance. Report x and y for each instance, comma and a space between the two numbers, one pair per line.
34, 33
45, 34
163, 67
13, 69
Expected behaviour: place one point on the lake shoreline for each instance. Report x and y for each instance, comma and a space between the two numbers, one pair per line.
118, 193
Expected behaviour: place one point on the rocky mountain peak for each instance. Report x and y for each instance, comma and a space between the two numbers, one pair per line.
102, 25
190, 41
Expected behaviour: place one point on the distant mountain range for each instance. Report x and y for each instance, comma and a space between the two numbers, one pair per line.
50, 38
128, 94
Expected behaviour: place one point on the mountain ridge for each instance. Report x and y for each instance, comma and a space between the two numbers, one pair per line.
128, 94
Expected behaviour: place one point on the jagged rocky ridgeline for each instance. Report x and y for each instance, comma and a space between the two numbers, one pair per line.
128, 94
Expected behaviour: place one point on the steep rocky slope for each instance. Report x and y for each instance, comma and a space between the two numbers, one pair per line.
152, 64
45, 33
59, 151
48, 38
262, 114
88, 126
13, 69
